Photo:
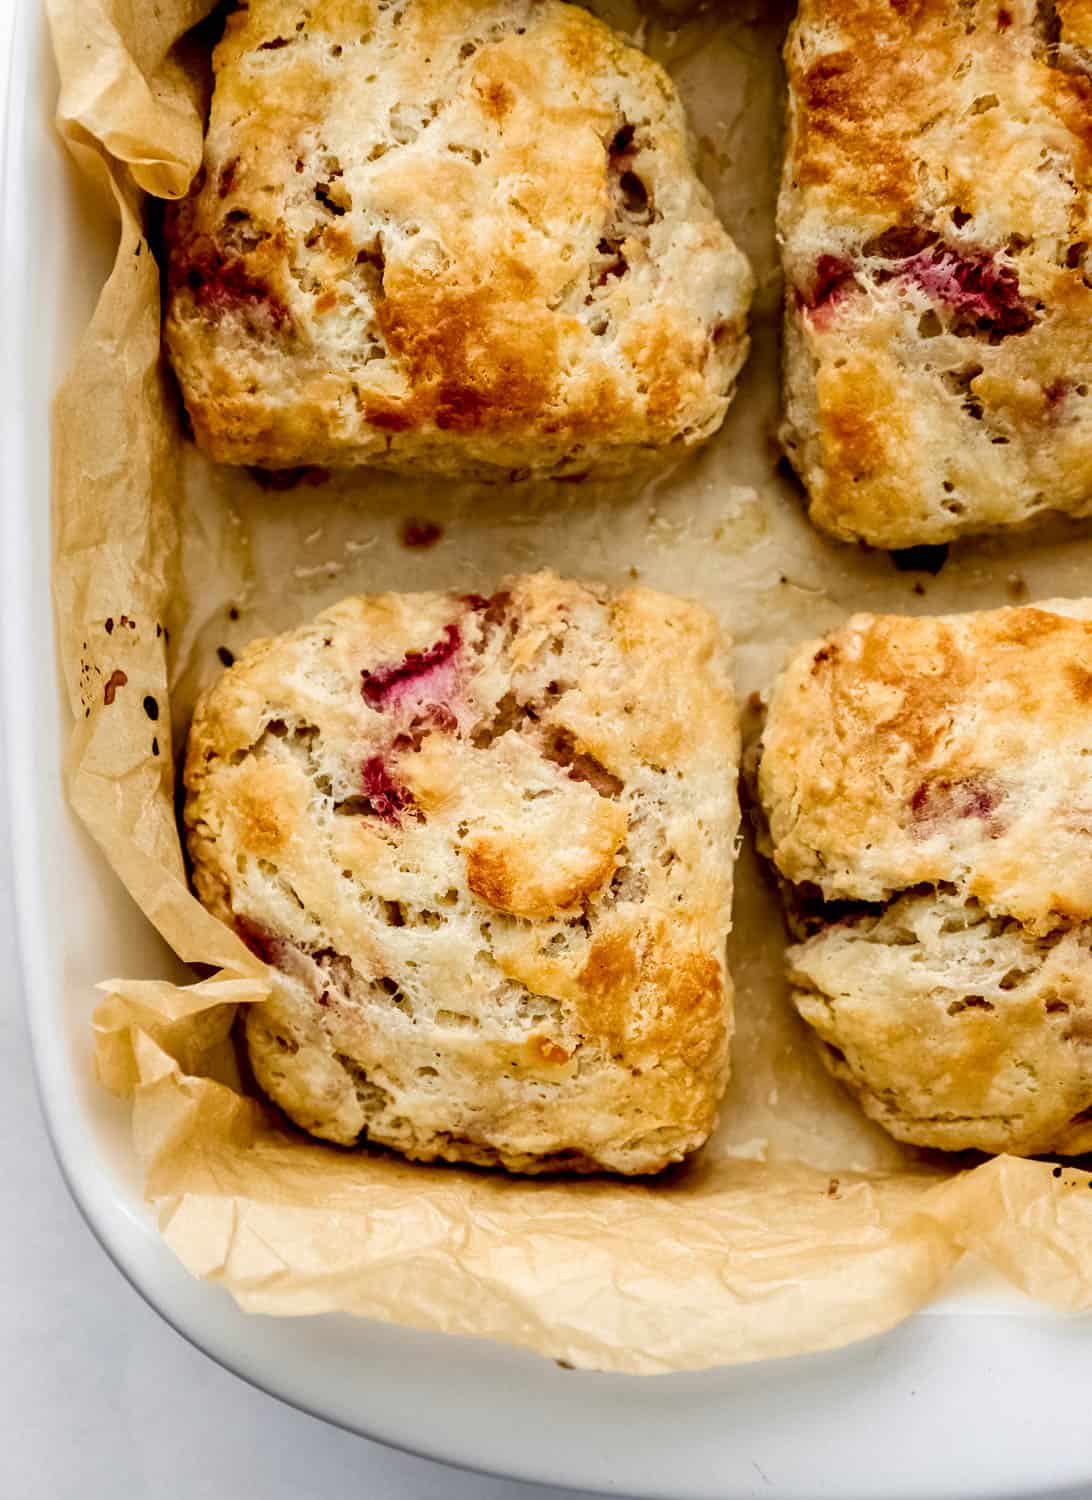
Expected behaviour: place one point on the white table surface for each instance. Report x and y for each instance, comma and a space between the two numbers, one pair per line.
100, 1399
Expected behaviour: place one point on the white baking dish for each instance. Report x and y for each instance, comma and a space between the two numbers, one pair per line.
985, 1397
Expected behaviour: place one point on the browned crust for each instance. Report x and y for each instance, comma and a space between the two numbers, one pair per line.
487, 352
908, 751
505, 868
911, 416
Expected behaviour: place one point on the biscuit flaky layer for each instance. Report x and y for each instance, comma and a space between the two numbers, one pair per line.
486, 847
926, 786
461, 236
936, 225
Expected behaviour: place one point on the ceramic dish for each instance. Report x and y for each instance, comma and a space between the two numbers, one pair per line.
984, 1396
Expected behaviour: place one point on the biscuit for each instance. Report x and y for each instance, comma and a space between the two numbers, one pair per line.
936, 228
456, 236
486, 847
926, 789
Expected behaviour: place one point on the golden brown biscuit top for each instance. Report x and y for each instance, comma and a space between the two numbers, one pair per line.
937, 225
905, 106
951, 751
453, 217
463, 796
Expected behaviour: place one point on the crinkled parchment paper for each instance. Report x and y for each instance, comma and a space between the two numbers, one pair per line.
800, 1226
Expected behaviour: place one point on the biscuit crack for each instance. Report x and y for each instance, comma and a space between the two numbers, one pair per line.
560, 748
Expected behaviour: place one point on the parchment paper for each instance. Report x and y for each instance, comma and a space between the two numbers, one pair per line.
800, 1226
